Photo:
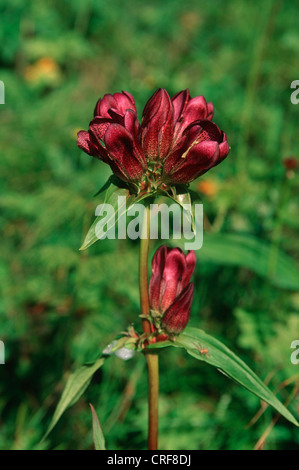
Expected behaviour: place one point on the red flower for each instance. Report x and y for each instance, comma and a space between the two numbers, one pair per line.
116, 125
175, 143
170, 291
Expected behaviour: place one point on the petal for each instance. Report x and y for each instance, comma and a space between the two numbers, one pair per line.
224, 150
173, 272
131, 123
199, 159
177, 315
210, 131
159, 259
180, 101
86, 143
99, 125
190, 134
210, 111
122, 149
196, 109
104, 104
190, 262
124, 101
120, 102
157, 125
158, 264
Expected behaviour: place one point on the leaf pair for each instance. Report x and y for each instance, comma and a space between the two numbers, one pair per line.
199, 345
205, 348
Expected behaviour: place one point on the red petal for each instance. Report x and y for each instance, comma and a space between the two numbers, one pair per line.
99, 125
122, 149
157, 125
120, 102
86, 143
191, 262
124, 101
104, 104
180, 101
177, 315
224, 150
196, 109
199, 159
173, 272
210, 111
158, 264
210, 131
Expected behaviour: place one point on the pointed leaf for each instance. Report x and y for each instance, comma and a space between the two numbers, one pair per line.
76, 385
208, 349
98, 436
252, 253
120, 207
79, 380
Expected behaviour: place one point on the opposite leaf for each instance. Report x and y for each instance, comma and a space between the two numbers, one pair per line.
76, 385
208, 349
98, 436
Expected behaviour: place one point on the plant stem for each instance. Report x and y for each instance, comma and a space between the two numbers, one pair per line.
151, 359
153, 399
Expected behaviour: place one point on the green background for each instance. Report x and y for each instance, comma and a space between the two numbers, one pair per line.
59, 307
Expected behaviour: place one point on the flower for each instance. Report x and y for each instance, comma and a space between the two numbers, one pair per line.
175, 142
170, 290
115, 125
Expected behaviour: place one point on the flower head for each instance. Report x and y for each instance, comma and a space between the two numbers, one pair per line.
175, 142
170, 290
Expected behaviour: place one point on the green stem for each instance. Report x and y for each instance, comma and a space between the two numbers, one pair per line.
151, 359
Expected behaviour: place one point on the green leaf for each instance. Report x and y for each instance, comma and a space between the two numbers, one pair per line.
252, 253
119, 209
79, 380
98, 436
186, 199
208, 349
230, 249
114, 182
76, 385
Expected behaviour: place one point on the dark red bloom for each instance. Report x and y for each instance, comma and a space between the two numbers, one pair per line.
116, 126
170, 291
175, 143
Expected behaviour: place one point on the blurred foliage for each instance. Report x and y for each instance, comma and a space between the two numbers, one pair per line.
59, 307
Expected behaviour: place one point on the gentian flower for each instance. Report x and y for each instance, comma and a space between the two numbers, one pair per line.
170, 290
175, 142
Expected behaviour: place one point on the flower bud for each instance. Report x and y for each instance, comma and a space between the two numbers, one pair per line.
170, 292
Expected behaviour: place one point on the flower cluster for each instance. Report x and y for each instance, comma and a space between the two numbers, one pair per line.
175, 142
170, 290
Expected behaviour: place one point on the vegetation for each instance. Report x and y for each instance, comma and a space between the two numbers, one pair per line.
60, 306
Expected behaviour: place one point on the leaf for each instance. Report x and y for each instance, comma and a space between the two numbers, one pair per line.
186, 199
94, 235
76, 385
231, 249
119, 208
208, 349
79, 380
98, 436
113, 181
252, 253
